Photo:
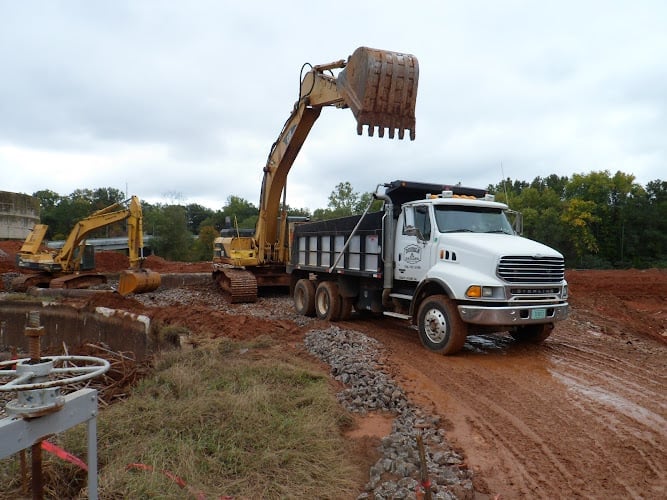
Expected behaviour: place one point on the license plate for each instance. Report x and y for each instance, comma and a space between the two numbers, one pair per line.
538, 313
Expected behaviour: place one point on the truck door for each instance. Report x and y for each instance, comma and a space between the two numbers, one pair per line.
413, 243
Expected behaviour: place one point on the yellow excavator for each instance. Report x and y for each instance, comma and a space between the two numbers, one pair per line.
380, 88
72, 265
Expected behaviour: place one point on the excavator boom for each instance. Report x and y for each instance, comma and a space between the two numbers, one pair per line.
62, 269
380, 88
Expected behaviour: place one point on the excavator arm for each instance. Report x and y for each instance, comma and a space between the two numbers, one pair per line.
69, 256
380, 88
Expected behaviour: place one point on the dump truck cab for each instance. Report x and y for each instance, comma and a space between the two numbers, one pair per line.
467, 247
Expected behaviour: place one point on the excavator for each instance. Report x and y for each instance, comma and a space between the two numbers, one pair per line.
67, 267
380, 88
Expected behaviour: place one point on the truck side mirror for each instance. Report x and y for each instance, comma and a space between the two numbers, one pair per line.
516, 218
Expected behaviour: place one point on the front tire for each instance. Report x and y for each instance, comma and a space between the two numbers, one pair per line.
532, 334
328, 301
441, 329
304, 297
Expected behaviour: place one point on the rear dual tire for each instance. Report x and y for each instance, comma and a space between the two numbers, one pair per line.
328, 302
304, 297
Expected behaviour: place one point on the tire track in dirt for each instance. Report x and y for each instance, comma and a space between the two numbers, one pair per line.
576, 417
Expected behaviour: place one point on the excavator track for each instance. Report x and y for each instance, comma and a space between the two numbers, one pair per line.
40, 280
25, 281
84, 280
238, 284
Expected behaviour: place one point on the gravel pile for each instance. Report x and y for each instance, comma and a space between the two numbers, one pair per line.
355, 360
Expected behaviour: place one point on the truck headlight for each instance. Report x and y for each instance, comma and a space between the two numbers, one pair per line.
478, 291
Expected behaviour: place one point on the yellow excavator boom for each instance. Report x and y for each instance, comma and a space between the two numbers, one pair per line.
62, 268
379, 87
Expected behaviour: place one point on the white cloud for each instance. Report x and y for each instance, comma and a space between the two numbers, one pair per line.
169, 97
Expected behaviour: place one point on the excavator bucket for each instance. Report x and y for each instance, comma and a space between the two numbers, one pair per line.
380, 87
138, 281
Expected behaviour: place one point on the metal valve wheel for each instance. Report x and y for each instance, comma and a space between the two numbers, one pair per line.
37, 390
26, 371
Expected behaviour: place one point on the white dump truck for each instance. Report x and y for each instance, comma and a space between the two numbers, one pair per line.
445, 258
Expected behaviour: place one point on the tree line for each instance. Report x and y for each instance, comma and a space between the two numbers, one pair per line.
597, 220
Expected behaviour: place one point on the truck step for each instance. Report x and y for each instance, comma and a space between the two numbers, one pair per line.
403, 296
396, 315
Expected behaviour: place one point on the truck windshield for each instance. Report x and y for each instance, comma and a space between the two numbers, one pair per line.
461, 219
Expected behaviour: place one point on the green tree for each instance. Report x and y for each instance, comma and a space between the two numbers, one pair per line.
202, 249
579, 218
105, 197
240, 210
196, 214
171, 238
343, 201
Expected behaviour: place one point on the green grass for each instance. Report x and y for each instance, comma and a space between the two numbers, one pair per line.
245, 420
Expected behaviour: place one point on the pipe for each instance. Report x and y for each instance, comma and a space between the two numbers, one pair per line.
388, 229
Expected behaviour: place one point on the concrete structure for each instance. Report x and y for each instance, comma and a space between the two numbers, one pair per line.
18, 214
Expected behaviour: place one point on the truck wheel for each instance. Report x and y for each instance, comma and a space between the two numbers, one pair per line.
304, 297
532, 334
441, 329
327, 301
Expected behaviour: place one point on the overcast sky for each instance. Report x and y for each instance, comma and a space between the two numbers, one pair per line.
181, 101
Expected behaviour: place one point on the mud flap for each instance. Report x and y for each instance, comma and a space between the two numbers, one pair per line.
380, 87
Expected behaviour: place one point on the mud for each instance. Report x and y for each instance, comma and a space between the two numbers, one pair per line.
582, 416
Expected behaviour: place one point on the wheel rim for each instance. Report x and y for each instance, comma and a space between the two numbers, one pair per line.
323, 303
435, 326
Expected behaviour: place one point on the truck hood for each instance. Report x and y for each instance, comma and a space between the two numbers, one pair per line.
496, 244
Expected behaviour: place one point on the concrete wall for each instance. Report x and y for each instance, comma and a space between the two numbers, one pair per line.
119, 330
18, 214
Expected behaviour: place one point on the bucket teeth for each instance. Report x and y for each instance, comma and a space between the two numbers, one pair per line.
380, 87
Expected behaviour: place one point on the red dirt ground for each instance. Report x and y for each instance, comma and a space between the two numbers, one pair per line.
582, 416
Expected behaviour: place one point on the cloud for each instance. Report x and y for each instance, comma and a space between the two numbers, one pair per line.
168, 97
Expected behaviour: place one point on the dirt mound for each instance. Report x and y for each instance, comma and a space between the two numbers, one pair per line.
110, 262
112, 300
8, 250
155, 263
107, 261
622, 301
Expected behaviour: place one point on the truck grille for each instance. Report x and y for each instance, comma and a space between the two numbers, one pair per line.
528, 269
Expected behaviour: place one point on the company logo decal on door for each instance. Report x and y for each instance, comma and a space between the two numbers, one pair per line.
413, 254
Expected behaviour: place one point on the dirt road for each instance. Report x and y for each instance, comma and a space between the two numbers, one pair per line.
582, 416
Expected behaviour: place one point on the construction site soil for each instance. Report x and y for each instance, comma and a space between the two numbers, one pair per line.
583, 415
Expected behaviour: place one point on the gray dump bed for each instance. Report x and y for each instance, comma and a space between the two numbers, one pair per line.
317, 245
